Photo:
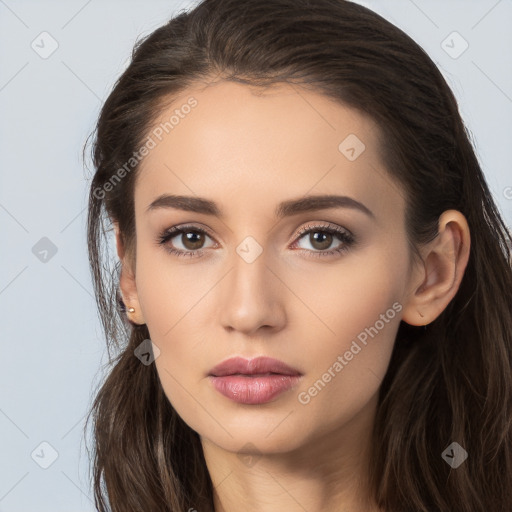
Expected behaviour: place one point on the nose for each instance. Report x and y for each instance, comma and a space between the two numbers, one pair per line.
252, 297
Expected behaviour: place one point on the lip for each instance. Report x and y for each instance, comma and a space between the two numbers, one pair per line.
258, 365
254, 381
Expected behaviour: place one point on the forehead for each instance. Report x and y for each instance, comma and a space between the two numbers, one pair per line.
240, 143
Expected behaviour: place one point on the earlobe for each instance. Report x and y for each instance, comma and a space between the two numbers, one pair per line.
130, 296
439, 276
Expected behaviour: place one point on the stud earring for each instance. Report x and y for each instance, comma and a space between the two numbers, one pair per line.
131, 310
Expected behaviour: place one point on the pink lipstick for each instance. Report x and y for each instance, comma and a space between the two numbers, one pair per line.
254, 381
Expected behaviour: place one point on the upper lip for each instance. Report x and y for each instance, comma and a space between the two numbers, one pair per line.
257, 365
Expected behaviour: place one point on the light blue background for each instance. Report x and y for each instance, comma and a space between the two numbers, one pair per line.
52, 345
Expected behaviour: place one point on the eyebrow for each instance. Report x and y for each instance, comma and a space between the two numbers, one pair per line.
284, 209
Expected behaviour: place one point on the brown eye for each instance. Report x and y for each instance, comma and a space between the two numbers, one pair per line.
186, 241
320, 240
192, 240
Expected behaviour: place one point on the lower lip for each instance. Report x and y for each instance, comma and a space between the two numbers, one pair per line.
245, 389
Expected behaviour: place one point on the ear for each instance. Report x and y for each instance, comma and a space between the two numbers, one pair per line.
436, 280
127, 282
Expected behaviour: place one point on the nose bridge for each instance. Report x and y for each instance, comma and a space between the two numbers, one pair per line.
250, 298
249, 268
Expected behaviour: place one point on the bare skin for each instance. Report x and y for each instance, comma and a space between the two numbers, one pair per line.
248, 151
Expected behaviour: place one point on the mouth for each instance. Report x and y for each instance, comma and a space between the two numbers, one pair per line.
255, 381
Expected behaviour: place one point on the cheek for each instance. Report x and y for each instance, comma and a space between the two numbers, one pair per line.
358, 317
347, 369
167, 299
355, 358
342, 300
168, 291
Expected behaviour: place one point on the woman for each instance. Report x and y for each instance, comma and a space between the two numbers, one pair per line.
314, 275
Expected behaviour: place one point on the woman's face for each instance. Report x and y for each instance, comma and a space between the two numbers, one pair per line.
248, 283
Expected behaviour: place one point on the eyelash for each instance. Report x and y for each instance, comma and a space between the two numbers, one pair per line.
343, 235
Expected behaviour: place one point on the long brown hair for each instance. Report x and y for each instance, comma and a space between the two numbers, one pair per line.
450, 382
